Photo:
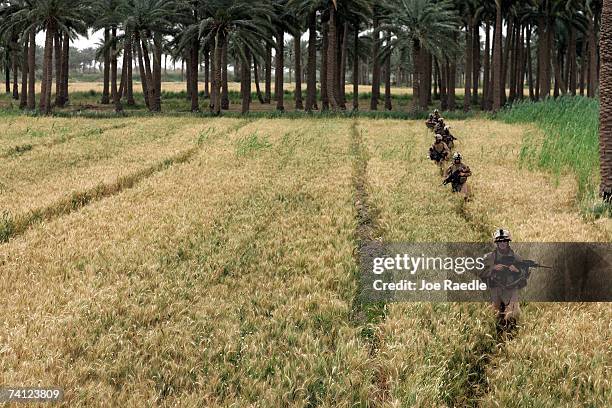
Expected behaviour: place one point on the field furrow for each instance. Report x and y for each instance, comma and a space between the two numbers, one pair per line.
227, 280
53, 174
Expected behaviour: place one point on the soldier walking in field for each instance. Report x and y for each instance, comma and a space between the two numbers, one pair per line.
457, 174
439, 128
504, 279
448, 138
440, 153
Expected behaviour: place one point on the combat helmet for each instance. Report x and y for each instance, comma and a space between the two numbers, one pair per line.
501, 235
457, 156
438, 137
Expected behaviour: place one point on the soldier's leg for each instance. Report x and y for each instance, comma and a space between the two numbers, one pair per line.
465, 190
513, 309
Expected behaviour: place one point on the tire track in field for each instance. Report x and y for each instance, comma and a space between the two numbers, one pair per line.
11, 227
368, 235
21, 149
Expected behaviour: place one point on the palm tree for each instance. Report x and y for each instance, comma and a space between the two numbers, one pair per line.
223, 17
55, 17
605, 126
422, 27
497, 58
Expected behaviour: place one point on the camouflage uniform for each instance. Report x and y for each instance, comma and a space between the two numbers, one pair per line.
441, 150
447, 137
504, 284
462, 185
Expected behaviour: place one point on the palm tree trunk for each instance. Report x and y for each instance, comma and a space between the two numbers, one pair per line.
123, 79
297, 50
356, 67
47, 78
256, 74
605, 115
441, 66
143, 74
216, 94
343, 59
193, 59
475, 60
268, 74
206, 73
484, 103
571, 60
105, 91
311, 83
57, 46
148, 74
15, 62
592, 78
513, 64
530, 65
497, 60
469, 54
583, 64
544, 58
32, 71
324, 66
128, 54
7, 72
388, 105
416, 74
376, 64
332, 54
113, 55
279, 92
425, 84
157, 68
452, 77
224, 86
65, 68
23, 102
245, 82
505, 60
436, 92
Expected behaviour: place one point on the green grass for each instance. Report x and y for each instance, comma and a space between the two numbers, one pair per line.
571, 128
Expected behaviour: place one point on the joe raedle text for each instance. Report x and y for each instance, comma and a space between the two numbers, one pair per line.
424, 285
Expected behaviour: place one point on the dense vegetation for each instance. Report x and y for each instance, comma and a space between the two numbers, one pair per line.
550, 49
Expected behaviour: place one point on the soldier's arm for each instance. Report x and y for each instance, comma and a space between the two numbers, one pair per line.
488, 266
466, 171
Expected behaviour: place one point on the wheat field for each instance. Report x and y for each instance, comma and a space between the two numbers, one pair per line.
212, 262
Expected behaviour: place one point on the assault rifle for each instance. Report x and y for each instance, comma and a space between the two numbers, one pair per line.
524, 264
452, 178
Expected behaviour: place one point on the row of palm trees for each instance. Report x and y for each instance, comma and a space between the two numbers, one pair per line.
552, 45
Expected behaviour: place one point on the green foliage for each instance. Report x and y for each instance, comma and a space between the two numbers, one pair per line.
571, 129
251, 143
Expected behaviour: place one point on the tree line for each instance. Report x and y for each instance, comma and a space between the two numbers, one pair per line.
499, 51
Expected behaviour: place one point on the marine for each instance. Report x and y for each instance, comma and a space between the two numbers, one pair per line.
457, 174
440, 153
448, 138
504, 279
439, 128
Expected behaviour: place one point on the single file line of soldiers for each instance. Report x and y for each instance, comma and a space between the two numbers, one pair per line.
440, 152
506, 272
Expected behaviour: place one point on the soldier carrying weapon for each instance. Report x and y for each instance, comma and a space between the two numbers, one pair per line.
439, 128
457, 174
505, 273
439, 152
447, 137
